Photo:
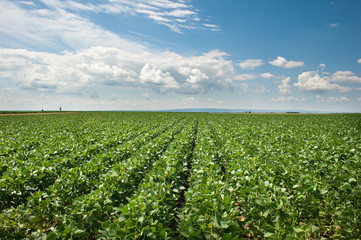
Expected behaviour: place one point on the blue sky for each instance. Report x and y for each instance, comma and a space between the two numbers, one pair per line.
166, 54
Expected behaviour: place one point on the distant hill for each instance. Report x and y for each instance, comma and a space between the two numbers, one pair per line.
225, 110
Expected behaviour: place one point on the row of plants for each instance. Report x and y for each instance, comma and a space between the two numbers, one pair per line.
18, 182
46, 211
25, 136
181, 176
151, 213
209, 211
292, 178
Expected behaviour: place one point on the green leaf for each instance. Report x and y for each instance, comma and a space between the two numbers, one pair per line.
78, 231
268, 234
223, 224
132, 204
163, 234
214, 235
52, 236
125, 210
298, 230
106, 224
314, 228
323, 191
227, 236
352, 180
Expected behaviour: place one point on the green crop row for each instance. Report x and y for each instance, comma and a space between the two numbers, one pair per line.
85, 215
43, 207
19, 182
208, 211
303, 183
119, 175
151, 212
82, 179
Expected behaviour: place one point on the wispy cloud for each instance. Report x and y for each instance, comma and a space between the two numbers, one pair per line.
334, 25
145, 95
338, 99
8, 90
54, 29
261, 89
28, 3
212, 27
288, 99
321, 99
175, 14
282, 62
322, 66
188, 100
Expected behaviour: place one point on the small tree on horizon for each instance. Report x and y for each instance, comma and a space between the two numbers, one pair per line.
60, 109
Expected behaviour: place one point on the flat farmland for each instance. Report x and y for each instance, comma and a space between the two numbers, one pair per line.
151, 175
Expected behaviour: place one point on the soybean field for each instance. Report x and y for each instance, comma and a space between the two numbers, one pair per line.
154, 175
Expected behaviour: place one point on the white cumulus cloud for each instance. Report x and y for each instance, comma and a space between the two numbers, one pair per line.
345, 76
286, 93
245, 76
194, 76
359, 60
267, 75
250, 64
153, 76
98, 57
270, 76
103, 66
313, 81
284, 87
282, 62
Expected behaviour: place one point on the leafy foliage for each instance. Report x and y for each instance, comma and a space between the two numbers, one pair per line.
119, 175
